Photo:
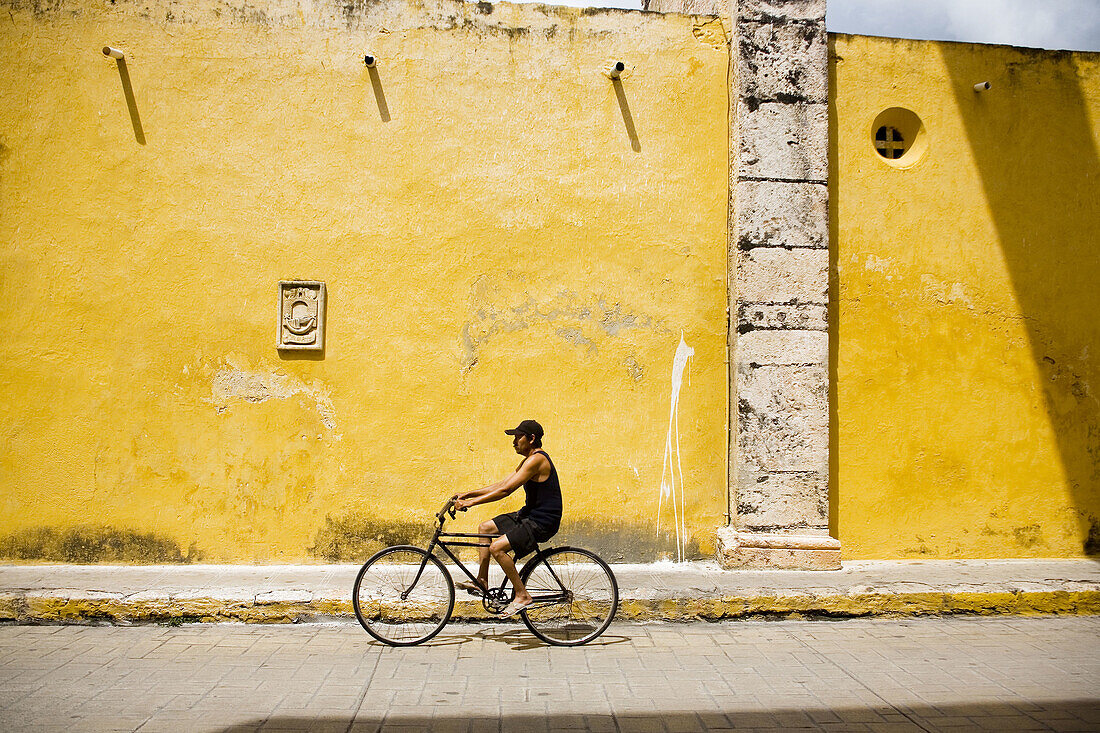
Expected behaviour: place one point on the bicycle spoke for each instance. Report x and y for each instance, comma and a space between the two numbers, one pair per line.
391, 607
587, 597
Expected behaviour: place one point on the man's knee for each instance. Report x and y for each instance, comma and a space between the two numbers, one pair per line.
500, 546
487, 527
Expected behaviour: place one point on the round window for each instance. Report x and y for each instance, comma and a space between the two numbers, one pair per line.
898, 137
889, 142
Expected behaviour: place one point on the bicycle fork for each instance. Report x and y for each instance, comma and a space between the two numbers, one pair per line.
423, 564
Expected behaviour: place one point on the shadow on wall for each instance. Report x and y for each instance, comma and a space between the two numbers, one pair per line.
1050, 715
1043, 202
356, 536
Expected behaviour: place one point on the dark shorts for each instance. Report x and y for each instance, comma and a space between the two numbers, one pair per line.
523, 534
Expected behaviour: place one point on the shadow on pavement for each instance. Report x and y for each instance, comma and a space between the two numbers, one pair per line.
1058, 715
519, 640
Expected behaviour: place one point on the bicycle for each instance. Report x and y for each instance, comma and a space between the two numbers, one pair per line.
404, 595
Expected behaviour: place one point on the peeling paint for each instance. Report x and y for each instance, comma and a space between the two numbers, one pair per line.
233, 383
577, 337
1029, 536
944, 292
711, 33
637, 373
585, 321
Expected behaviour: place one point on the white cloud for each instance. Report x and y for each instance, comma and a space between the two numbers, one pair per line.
1056, 24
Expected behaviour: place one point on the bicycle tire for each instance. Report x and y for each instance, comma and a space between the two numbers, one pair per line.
591, 602
387, 616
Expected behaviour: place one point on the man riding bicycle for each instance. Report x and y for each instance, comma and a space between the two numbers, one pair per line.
520, 531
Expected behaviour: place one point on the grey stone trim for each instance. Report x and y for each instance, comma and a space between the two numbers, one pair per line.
775, 347
780, 229
774, 179
779, 500
782, 11
782, 419
774, 274
781, 316
787, 214
782, 62
784, 141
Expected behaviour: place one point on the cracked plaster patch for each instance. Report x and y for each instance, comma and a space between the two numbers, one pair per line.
490, 320
232, 383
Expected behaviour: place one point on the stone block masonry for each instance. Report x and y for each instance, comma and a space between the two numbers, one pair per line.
779, 221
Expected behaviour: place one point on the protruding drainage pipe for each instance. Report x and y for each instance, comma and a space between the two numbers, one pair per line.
617, 69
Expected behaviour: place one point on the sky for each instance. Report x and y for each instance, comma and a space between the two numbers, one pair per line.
1055, 24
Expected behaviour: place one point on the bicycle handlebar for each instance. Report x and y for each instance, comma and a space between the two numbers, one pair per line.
448, 508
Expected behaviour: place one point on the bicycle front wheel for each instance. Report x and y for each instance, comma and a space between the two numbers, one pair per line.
575, 594
403, 596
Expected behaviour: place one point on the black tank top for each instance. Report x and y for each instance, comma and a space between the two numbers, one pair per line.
543, 503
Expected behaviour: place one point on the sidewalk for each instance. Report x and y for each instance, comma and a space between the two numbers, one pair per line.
662, 591
911, 675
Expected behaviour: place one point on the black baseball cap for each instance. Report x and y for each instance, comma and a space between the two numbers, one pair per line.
527, 427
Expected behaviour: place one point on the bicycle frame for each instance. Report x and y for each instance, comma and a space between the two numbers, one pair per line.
446, 540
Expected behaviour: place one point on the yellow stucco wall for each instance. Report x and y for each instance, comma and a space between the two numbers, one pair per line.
966, 375
503, 235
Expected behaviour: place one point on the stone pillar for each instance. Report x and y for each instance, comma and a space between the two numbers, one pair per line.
779, 249
779, 283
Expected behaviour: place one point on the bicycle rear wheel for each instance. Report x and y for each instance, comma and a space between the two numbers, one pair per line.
397, 603
575, 594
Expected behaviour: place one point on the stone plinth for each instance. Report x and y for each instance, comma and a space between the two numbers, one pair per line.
739, 549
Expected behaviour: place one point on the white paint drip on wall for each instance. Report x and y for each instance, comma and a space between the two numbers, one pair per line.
672, 471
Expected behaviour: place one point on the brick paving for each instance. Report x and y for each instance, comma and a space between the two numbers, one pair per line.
929, 674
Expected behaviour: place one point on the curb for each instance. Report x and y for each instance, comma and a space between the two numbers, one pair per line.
31, 608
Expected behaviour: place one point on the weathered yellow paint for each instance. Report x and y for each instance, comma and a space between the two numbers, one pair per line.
506, 235
494, 243
967, 382
212, 610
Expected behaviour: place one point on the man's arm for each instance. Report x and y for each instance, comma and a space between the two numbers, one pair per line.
495, 492
479, 492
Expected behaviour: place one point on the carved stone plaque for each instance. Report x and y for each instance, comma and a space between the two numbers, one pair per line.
301, 315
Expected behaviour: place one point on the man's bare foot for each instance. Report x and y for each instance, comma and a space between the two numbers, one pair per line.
515, 607
473, 589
